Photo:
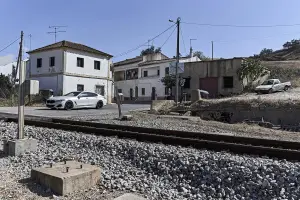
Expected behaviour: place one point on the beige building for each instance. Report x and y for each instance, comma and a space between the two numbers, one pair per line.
218, 77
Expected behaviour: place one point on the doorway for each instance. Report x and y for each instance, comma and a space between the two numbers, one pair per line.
136, 92
153, 94
131, 93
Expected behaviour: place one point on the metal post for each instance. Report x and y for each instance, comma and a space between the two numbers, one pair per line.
212, 50
177, 59
191, 49
21, 93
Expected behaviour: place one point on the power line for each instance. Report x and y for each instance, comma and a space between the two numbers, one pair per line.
168, 38
241, 26
131, 50
255, 38
183, 40
9, 45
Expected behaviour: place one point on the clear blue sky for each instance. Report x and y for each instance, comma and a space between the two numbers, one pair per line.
117, 26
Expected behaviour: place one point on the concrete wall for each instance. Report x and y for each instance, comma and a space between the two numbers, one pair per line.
45, 56
54, 82
282, 113
71, 82
88, 69
216, 68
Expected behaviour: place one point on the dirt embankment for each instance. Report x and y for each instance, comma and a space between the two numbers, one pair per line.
285, 71
280, 108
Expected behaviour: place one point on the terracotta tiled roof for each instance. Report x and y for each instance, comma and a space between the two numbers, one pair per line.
129, 61
70, 45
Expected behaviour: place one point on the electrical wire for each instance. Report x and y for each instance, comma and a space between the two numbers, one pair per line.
9, 45
255, 38
131, 50
183, 40
241, 26
168, 38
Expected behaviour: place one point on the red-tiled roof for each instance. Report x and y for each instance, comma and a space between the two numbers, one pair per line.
70, 45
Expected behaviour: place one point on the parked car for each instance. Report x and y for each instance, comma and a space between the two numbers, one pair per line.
272, 85
76, 100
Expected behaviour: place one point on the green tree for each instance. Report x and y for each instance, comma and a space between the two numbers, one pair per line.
292, 44
251, 69
150, 50
169, 81
265, 52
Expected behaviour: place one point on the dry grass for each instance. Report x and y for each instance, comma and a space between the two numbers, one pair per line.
290, 98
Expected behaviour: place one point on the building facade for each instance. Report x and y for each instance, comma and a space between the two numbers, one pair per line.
139, 78
218, 77
66, 66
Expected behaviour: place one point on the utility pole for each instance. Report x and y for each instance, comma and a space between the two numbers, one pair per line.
21, 92
191, 49
177, 59
56, 30
212, 50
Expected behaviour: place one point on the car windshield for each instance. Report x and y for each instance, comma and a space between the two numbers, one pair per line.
72, 94
268, 82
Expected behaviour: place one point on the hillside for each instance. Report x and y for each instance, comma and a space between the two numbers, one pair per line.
283, 54
285, 70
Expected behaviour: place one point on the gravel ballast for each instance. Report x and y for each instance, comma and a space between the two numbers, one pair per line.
156, 171
143, 119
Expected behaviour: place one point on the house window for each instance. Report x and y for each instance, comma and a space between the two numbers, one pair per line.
228, 81
52, 61
97, 65
99, 89
80, 87
167, 71
80, 62
119, 90
39, 63
158, 72
143, 91
145, 73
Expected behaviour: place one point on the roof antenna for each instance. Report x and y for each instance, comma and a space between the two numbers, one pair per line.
56, 30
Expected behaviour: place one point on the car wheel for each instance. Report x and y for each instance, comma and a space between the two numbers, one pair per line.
99, 105
286, 88
270, 91
69, 105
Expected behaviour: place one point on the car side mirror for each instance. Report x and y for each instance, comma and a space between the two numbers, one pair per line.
78, 97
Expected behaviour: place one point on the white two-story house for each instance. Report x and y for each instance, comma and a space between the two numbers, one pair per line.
139, 78
66, 66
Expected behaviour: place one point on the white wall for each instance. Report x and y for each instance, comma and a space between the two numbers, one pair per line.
45, 55
51, 82
7, 69
70, 84
88, 69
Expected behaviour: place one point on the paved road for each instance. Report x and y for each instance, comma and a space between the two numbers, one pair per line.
45, 112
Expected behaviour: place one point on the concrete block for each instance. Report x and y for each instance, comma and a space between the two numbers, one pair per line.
129, 196
195, 95
65, 178
19, 146
126, 117
161, 105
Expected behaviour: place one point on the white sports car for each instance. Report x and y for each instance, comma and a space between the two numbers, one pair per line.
77, 100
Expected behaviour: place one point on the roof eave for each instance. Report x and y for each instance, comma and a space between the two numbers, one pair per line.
62, 47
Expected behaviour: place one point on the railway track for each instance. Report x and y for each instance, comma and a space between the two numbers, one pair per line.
240, 145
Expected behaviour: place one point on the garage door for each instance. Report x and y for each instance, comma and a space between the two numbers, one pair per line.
209, 84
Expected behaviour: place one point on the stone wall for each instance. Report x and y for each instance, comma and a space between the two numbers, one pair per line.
279, 113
